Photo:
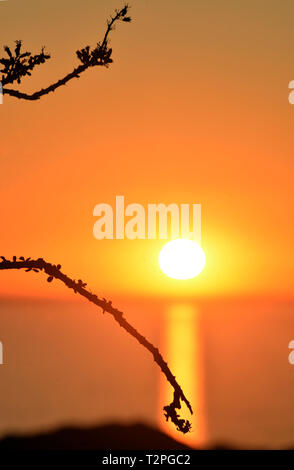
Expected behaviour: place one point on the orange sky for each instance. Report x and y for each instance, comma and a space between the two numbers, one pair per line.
193, 110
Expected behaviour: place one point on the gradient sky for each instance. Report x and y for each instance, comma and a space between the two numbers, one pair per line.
194, 109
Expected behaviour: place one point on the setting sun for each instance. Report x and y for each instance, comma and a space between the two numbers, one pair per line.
182, 259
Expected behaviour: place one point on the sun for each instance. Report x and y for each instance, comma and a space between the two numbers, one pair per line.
182, 259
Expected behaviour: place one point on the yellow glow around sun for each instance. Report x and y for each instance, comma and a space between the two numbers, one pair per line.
182, 259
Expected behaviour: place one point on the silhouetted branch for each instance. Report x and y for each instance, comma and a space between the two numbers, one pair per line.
53, 272
19, 64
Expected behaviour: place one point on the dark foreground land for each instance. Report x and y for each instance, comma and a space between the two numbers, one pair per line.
132, 446
112, 436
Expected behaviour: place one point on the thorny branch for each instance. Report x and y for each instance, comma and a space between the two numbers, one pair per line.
19, 64
53, 272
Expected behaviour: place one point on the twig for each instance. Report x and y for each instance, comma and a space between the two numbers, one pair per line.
53, 271
44, 91
19, 65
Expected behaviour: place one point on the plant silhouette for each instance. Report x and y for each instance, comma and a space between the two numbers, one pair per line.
79, 287
18, 64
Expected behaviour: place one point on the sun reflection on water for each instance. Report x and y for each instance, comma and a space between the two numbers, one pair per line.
182, 348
